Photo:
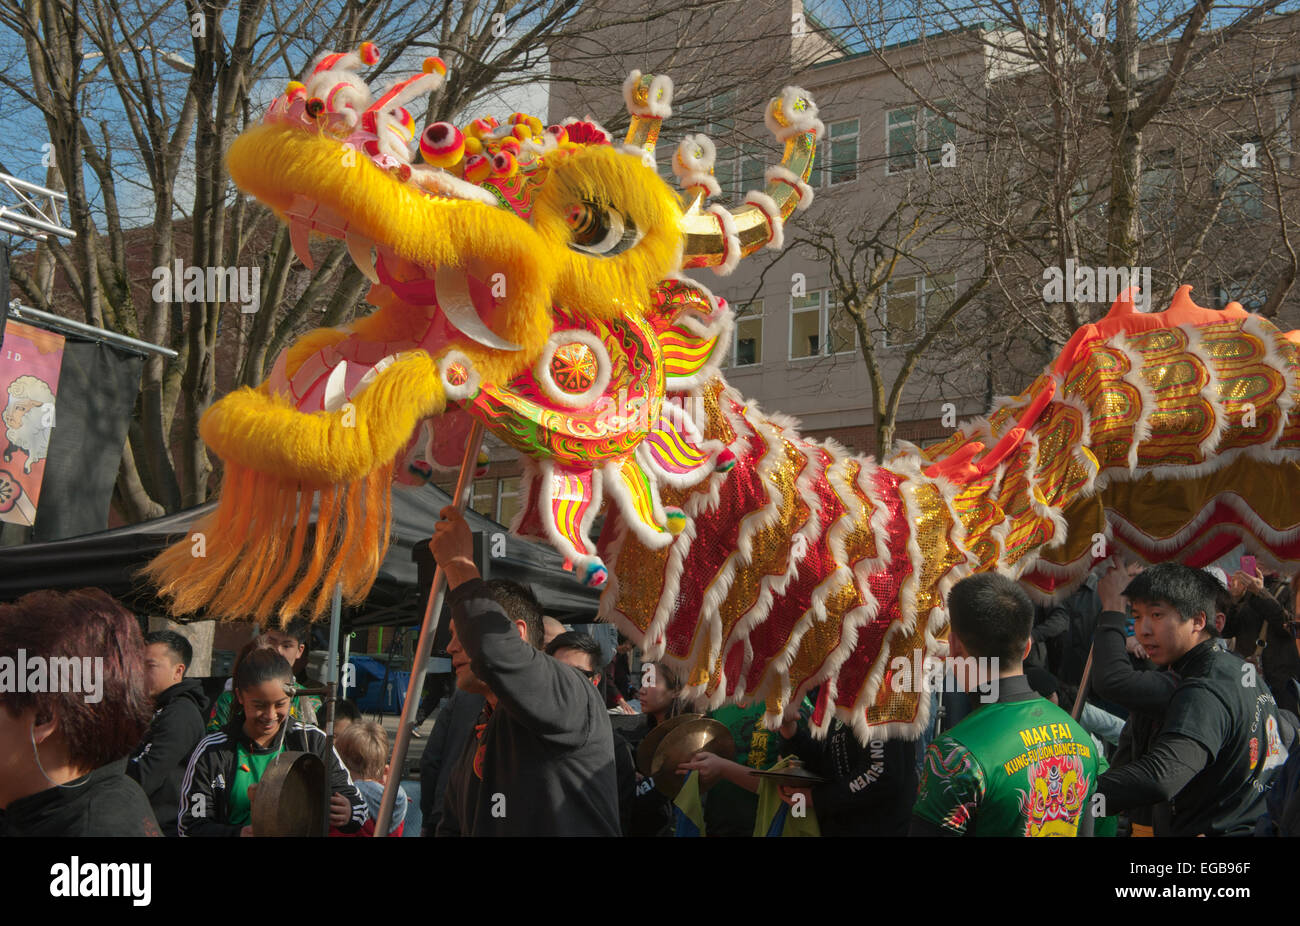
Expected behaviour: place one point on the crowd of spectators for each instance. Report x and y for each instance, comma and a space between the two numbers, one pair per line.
1149, 702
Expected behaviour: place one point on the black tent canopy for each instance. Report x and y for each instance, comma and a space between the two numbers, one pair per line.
110, 560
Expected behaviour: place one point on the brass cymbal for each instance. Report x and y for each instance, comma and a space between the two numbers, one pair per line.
701, 734
794, 775
646, 751
290, 796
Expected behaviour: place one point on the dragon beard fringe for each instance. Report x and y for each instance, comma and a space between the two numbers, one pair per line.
262, 527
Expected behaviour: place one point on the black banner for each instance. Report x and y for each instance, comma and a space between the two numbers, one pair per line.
4, 289
97, 391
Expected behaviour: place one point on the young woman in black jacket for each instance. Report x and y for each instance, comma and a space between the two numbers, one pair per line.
219, 786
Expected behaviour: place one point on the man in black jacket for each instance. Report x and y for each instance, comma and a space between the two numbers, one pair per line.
451, 731
1220, 743
176, 728
541, 759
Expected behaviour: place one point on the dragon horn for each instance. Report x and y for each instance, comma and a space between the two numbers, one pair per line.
719, 238
649, 102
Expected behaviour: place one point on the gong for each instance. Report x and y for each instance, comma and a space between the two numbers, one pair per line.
290, 796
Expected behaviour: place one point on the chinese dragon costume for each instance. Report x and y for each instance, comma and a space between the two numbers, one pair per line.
529, 277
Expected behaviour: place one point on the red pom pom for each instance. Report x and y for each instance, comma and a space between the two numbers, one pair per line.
586, 133
504, 164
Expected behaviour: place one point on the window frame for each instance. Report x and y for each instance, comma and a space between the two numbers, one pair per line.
750, 315
918, 315
823, 310
1236, 207
890, 170
922, 151
820, 309
501, 495
825, 172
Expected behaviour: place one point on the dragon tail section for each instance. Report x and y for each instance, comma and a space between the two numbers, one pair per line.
1164, 436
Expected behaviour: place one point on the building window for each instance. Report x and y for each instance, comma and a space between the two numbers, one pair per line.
1243, 199
913, 133
818, 326
724, 171
902, 312
937, 293
484, 495
1252, 298
806, 325
1158, 192
751, 174
841, 333
715, 117
748, 333
909, 300
836, 160
508, 502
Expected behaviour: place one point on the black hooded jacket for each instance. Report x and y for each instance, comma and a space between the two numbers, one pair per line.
158, 764
103, 803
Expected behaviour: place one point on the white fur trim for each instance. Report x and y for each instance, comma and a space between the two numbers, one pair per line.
579, 558
646, 158
767, 205
458, 393
796, 121
1254, 326
1140, 539
659, 103
707, 182
542, 369
772, 587
780, 174
437, 180
654, 539
687, 163
730, 237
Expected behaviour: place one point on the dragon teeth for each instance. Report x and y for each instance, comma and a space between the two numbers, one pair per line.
335, 395
359, 249
458, 308
299, 235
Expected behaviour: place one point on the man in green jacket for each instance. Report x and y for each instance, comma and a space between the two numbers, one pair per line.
1018, 765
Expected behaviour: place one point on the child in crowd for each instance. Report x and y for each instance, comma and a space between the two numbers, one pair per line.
363, 745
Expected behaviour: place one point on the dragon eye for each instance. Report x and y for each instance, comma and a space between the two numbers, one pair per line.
599, 230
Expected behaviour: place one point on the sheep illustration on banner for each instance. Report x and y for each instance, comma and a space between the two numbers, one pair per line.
30, 361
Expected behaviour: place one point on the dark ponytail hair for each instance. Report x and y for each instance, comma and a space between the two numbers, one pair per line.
262, 666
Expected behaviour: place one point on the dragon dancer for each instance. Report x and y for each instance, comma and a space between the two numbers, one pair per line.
1019, 766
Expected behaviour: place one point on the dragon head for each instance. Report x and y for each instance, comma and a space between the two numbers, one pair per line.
526, 276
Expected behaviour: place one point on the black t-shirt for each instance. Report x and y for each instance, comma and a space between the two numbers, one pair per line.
1236, 721
869, 790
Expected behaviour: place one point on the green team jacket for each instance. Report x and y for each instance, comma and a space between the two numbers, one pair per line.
1020, 766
